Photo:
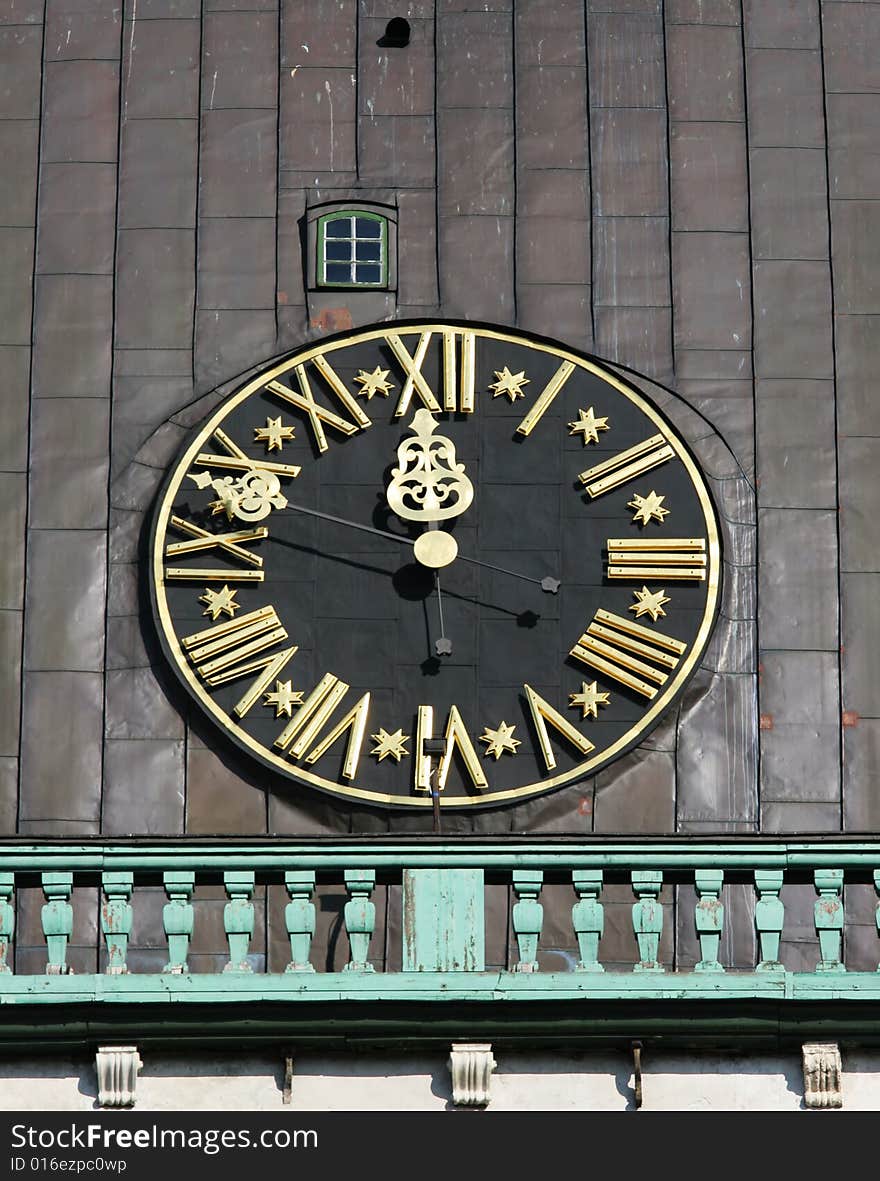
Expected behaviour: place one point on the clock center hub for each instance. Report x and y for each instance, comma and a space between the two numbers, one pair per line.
436, 549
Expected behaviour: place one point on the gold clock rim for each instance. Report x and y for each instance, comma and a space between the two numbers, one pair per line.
509, 795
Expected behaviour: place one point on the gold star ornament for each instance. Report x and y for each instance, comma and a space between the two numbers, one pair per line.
389, 745
589, 699
588, 425
221, 602
649, 603
648, 508
509, 383
500, 740
374, 383
283, 698
273, 434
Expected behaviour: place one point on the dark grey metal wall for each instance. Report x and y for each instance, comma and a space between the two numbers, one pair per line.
688, 188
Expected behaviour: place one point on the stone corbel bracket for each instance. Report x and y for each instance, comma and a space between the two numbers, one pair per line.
471, 1065
822, 1075
117, 1068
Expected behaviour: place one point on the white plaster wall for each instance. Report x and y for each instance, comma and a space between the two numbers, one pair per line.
521, 1082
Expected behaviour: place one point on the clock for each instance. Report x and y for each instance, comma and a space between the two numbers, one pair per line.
427, 563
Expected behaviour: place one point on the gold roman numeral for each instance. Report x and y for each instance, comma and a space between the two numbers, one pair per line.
668, 558
626, 465
458, 380
304, 399
229, 543
620, 649
456, 736
545, 398
225, 653
237, 461
298, 735
543, 712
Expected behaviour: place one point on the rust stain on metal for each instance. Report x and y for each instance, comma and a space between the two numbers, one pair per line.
766, 722
585, 807
282, 297
333, 320
850, 718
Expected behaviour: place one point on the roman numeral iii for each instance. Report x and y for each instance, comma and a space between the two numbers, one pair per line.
672, 559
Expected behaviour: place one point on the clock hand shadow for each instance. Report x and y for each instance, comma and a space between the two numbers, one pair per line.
322, 553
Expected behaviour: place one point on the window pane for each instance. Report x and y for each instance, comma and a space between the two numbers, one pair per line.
338, 250
368, 274
340, 227
337, 272
368, 251
367, 228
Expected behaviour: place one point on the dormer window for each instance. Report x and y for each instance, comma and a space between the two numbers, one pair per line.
352, 249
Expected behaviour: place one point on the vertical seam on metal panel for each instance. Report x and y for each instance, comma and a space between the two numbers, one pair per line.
668, 181
513, 68
759, 816
357, 88
27, 510
112, 377
436, 162
821, 10
200, 116
278, 32
591, 209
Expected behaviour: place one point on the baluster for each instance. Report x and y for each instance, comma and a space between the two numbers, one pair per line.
7, 920
528, 917
769, 917
177, 918
829, 918
360, 917
116, 916
709, 918
299, 915
238, 917
588, 917
877, 912
57, 917
647, 918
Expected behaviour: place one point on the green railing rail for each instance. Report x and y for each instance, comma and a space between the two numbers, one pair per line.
672, 885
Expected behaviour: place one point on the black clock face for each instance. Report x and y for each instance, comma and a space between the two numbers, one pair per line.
435, 558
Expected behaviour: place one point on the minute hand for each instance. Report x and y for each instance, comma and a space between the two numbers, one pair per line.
547, 584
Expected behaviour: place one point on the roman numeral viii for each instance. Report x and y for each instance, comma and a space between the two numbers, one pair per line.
630, 654
231, 650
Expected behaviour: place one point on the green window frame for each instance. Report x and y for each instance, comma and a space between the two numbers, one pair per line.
353, 249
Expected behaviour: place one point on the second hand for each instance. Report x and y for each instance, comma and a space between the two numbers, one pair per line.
442, 646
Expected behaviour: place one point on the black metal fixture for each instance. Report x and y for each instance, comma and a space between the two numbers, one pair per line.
396, 35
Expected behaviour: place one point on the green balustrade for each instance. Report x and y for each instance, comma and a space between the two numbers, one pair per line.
299, 917
709, 918
305, 868
829, 918
238, 918
588, 918
647, 919
360, 918
769, 917
57, 918
177, 918
116, 918
528, 917
7, 920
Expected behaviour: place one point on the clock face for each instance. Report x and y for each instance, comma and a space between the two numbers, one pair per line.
435, 559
